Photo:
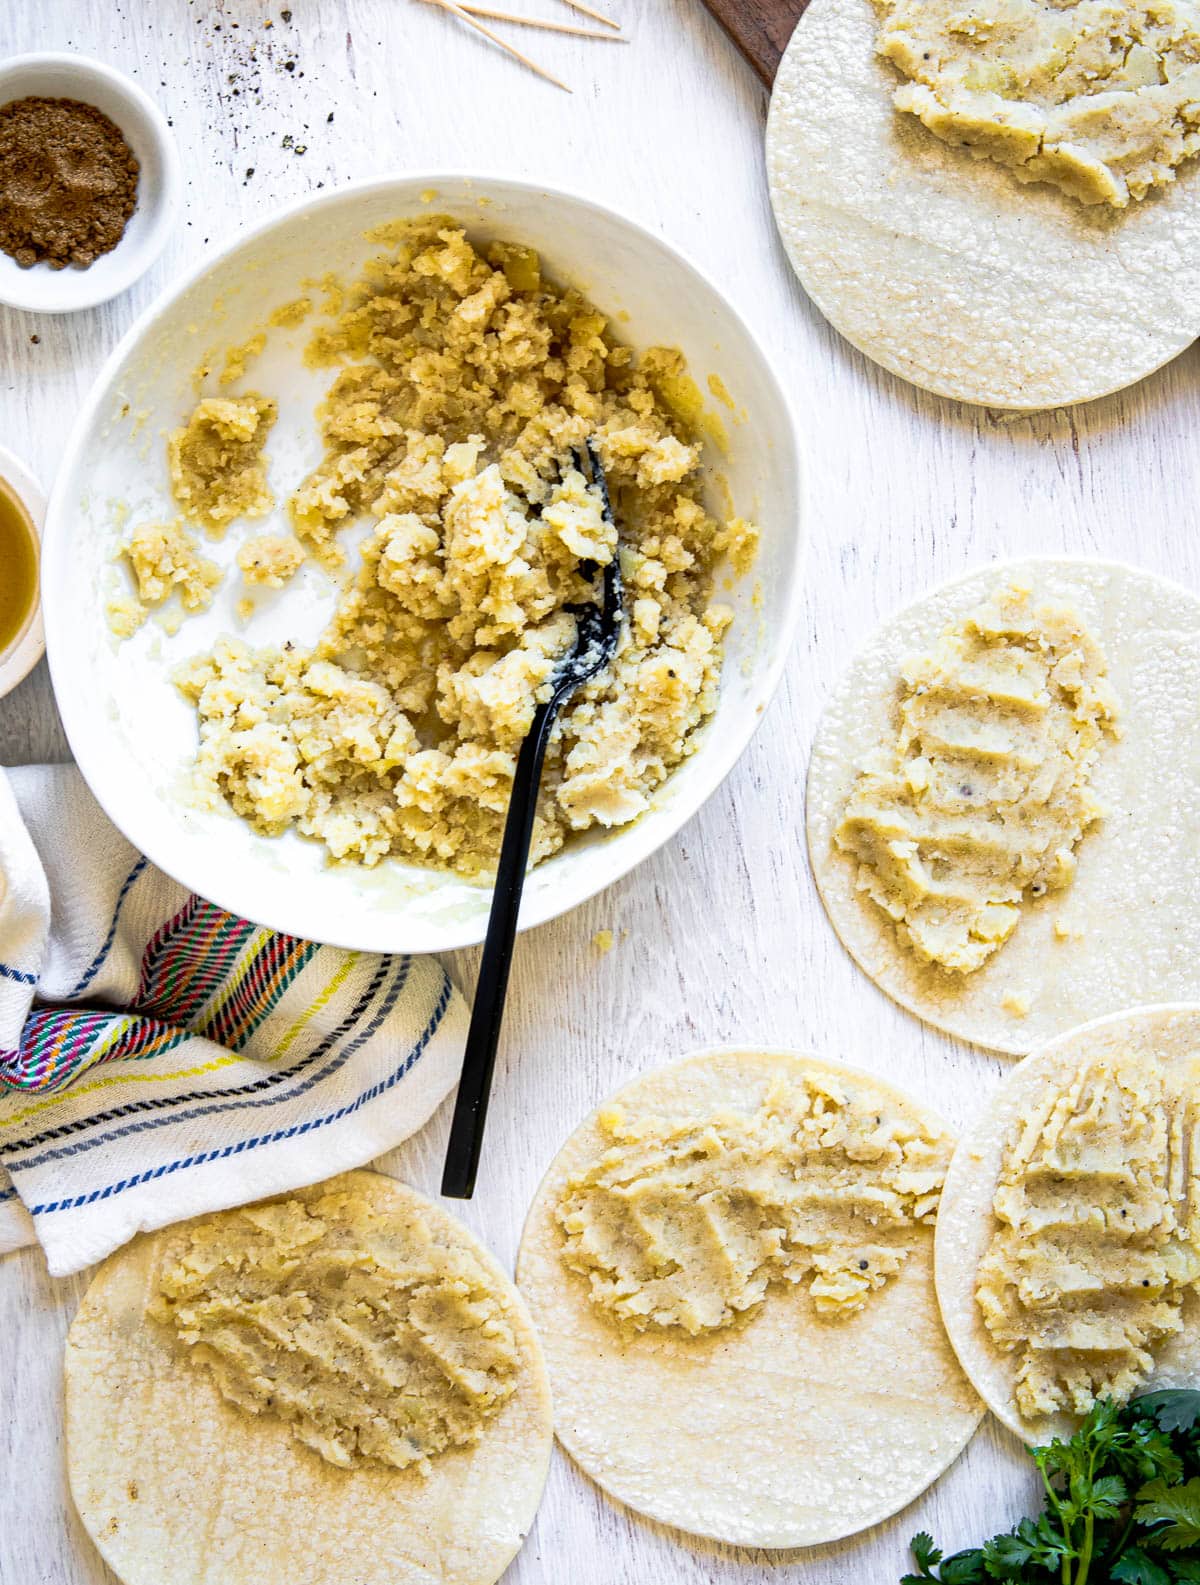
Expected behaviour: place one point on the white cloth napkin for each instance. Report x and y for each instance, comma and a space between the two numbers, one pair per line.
160, 1058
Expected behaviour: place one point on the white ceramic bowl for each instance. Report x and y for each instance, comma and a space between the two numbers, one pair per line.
23, 654
48, 291
132, 733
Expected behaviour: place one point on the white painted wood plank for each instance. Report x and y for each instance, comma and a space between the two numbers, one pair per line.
726, 939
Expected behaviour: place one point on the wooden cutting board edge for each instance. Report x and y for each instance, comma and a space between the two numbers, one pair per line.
760, 29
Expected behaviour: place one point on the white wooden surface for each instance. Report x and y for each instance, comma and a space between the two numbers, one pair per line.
726, 940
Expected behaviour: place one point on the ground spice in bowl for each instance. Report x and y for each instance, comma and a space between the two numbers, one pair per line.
68, 182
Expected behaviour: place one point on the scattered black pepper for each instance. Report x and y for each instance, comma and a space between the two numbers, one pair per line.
242, 78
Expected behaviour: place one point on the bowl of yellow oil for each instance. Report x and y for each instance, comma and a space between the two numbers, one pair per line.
22, 507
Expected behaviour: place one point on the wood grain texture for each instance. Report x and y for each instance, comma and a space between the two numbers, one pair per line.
720, 937
760, 29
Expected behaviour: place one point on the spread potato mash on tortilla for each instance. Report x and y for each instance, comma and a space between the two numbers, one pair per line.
1003, 804
370, 1338
1022, 231
1068, 1237
340, 1380
730, 1264
688, 1224
1096, 1232
1099, 97
981, 795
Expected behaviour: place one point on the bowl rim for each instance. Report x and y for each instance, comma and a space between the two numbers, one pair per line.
724, 753
162, 209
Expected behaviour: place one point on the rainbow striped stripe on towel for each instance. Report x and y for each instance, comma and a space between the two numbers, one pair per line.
160, 1057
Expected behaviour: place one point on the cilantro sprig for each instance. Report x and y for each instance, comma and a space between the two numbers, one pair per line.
1121, 1506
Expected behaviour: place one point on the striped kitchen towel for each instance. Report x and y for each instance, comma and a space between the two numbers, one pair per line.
160, 1057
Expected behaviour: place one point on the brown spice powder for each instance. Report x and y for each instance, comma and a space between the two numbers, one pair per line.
68, 182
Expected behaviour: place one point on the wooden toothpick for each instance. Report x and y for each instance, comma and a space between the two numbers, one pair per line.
541, 22
511, 49
596, 16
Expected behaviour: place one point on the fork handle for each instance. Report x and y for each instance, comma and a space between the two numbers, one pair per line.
487, 1015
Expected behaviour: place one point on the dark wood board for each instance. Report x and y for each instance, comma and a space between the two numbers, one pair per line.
760, 29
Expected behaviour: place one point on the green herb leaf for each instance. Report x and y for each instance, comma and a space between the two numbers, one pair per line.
1039, 1543
1146, 1452
1005, 1555
1177, 1508
1090, 1526
1173, 1410
1108, 1493
927, 1558
1135, 1568
964, 1568
922, 1548
1062, 1458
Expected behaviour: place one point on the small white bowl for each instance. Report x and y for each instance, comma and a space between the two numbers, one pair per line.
19, 659
132, 732
47, 291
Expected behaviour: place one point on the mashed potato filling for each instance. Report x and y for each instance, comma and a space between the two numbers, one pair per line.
982, 795
218, 469
269, 560
685, 1224
371, 1339
1099, 97
1097, 1234
465, 385
165, 560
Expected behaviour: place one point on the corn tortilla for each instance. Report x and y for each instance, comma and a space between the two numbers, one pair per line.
948, 270
1124, 931
167, 1475
781, 1431
1169, 1035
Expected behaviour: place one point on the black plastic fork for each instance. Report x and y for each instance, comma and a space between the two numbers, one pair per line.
598, 627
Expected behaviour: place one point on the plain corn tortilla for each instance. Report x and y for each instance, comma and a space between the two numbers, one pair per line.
1132, 912
948, 270
172, 1482
1167, 1034
781, 1432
